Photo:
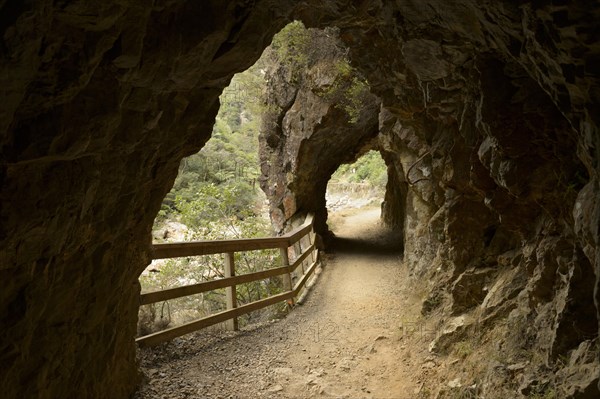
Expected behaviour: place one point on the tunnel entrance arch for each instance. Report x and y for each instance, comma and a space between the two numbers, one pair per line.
92, 141
216, 196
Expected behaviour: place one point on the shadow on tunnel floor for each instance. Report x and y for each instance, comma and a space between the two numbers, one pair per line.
386, 244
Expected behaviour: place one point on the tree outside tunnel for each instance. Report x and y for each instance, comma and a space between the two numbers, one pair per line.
358, 184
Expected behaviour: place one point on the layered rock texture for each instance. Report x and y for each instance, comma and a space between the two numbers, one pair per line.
486, 113
100, 101
492, 169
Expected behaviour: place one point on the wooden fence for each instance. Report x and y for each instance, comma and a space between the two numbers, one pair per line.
229, 282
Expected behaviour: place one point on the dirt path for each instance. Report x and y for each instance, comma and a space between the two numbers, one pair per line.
346, 340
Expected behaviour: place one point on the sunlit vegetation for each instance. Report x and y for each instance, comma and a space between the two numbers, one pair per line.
370, 169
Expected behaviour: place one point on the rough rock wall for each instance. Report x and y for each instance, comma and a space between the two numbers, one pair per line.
393, 207
489, 112
539, 56
100, 101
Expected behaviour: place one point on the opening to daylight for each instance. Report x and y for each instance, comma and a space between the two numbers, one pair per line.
217, 196
356, 187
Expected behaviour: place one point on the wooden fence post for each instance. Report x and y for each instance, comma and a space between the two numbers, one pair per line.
298, 252
312, 241
230, 292
287, 277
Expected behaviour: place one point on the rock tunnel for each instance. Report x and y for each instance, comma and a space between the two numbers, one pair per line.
486, 115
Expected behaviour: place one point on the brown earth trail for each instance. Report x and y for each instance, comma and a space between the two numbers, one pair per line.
347, 340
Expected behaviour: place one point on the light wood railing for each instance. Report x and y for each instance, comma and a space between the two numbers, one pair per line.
308, 255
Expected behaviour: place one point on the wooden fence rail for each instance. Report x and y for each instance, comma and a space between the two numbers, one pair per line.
229, 282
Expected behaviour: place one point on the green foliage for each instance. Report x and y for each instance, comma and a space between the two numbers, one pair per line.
343, 68
548, 393
227, 166
354, 98
463, 349
291, 47
212, 204
370, 168
295, 50
348, 90
191, 270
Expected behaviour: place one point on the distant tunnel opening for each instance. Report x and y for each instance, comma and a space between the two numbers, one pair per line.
357, 185
369, 184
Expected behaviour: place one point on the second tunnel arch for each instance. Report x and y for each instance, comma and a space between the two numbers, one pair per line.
320, 119
371, 183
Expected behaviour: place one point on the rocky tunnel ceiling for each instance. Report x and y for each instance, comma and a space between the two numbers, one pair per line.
498, 101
